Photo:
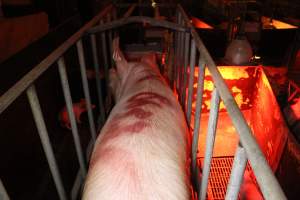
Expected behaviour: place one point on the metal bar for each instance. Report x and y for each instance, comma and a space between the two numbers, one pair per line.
68, 100
191, 81
264, 175
180, 64
210, 140
185, 72
105, 56
86, 91
138, 19
130, 10
237, 174
200, 87
156, 13
3, 192
43, 133
8, 97
176, 71
110, 40
167, 5
98, 81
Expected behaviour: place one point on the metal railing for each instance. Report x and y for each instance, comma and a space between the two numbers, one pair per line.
187, 46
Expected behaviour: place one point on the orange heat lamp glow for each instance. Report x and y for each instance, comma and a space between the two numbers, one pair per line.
296, 108
200, 24
276, 23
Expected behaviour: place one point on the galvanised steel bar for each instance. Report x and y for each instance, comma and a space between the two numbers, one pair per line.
3, 192
237, 174
191, 81
43, 133
263, 173
138, 19
105, 55
200, 87
86, 91
110, 39
8, 97
181, 59
68, 100
185, 72
177, 47
98, 81
210, 140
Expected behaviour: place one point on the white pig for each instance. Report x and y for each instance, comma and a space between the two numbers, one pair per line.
142, 150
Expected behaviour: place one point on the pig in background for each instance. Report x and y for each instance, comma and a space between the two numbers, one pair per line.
142, 150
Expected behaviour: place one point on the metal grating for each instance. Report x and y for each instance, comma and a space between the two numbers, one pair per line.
219, 176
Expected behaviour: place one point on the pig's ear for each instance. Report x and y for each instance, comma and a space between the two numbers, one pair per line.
119, 58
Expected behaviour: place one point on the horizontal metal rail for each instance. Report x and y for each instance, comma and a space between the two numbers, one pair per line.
8, 97
138, 19
263, 173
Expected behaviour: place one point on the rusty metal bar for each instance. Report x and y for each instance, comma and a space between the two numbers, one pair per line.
138, 19
105, 55
200, 87
86, 91
3, 192
69, 105
191, 81
185, 71
210, 140
98, 81
8, 97
237, 174
43, 133
265, 177
130, 10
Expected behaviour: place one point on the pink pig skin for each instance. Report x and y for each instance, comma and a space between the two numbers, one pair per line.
142, 150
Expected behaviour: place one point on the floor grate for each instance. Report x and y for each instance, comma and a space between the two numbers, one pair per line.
219, 176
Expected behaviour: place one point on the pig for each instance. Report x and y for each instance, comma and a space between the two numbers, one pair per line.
142, 150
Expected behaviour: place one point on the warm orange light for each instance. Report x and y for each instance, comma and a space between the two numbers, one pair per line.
296, 108
276, 23
200, 24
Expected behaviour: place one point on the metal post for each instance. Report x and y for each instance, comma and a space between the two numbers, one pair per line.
68, 100
191, 81
98, 81
86, 91
105, 56
3, 192
181, 61
237, 174
186, 58
177, 47
200, 86
210, 140
42, 130
110, 40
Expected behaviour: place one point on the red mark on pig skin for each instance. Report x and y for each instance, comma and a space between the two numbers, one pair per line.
148, 77
137, 127
139, 113
144, 98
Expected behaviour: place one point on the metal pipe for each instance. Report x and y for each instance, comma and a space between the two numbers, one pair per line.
191, 81
237, 174
3, 192
186, 58
130, 10
176, 71
263, 173
180, 58
200, 86
43, 133
210, 140
14, 92
68, 100
98, 81
110, 40
105, 56
86, 91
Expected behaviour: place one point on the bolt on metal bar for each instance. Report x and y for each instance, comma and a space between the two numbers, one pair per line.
68, 100
105, 56
3, 192
268, 183
200, 87
43, 133
185, 72
98, 81
210, 140
191, 81
86, 91
237, 174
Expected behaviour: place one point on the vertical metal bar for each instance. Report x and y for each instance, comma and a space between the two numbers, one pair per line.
105, 56
186, 58
191, 81
3, 192
42, 130
86, 91
210, 140
181, 59
98, 81
177, 55
68, 100
110, 40
237, 174
200, 87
